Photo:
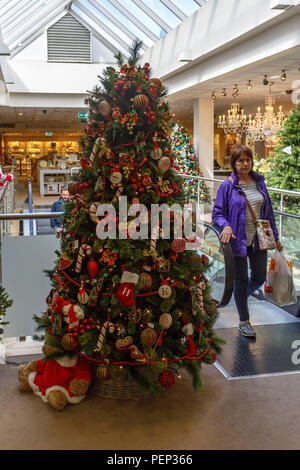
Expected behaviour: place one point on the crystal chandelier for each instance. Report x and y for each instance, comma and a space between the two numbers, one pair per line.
265, 126
235, 121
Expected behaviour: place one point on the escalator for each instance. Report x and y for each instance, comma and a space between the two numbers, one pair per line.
220, 275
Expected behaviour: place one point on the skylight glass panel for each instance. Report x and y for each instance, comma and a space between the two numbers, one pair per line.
126, 22
97, 28
108, 23
143, 17
187, 6
165, 14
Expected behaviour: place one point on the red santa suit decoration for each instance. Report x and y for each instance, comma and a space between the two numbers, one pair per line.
58, 375
72, 313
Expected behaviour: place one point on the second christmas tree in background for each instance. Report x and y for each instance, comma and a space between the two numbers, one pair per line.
188, 163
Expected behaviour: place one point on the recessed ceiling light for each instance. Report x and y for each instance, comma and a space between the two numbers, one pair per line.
275, 76
20, 114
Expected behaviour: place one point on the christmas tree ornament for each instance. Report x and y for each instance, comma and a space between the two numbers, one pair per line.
126, 287
141, 101
115, 176
72, 313
82, 296
164, 164
166, 378
119, 192
148, 337
65, 261
116, 114
104, 108
155, 82
135, 316
179, 245
92, 268
69, 342
108, 325
188, 330
84, 249
200, 287
145, 281
93, 211
103, 372
165, 291
136, 354
156, 153
165, 320
123, 344
195, 258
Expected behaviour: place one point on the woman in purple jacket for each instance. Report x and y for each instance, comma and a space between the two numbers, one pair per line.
232, 216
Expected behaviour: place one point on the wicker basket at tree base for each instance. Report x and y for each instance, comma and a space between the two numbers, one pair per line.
119, 388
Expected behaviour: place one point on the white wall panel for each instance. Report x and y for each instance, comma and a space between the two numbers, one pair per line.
23, 262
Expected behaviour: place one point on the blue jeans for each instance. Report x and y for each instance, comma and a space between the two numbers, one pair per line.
243, 286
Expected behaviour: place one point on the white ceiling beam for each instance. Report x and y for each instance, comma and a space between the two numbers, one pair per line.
101, 25
25, 36
152, 15
174, 9
113, 19
134, 20
37, 19
95, 33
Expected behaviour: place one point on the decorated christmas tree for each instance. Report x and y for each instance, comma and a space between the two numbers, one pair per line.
284, 163
5, 303
188, 163
129, 301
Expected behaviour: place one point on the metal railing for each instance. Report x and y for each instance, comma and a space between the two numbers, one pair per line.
282, 192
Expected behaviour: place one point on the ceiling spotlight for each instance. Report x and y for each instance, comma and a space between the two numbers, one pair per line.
213, 96
249, 84
235, 89
283, 76
265, 81
224, 92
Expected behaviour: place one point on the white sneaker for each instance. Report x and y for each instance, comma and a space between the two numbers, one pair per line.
247, 330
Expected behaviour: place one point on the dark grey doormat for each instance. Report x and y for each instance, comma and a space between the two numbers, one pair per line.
274, 351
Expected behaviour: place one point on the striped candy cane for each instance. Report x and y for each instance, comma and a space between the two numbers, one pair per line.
107, 325
119, 191
93, 211
93, 153
84, 249
200, 287
154, 235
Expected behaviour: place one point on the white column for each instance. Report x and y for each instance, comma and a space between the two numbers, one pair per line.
204, 134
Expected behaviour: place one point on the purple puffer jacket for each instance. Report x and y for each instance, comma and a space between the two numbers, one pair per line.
230, 209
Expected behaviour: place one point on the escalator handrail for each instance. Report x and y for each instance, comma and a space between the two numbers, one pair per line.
229, 268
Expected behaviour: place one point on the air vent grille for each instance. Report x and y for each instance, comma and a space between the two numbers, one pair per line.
68, 41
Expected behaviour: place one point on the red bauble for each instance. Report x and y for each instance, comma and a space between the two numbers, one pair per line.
179, 245
92, 268
166, 378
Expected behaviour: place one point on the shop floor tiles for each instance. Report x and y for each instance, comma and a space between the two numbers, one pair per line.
272, 351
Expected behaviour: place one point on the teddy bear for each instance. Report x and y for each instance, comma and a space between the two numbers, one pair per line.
57, 381
72, 313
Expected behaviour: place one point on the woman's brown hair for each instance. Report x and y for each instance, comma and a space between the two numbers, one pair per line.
237, 151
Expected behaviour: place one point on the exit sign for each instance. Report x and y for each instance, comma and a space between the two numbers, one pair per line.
83, 116
48, 133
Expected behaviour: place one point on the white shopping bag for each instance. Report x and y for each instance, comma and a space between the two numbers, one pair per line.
279, 287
